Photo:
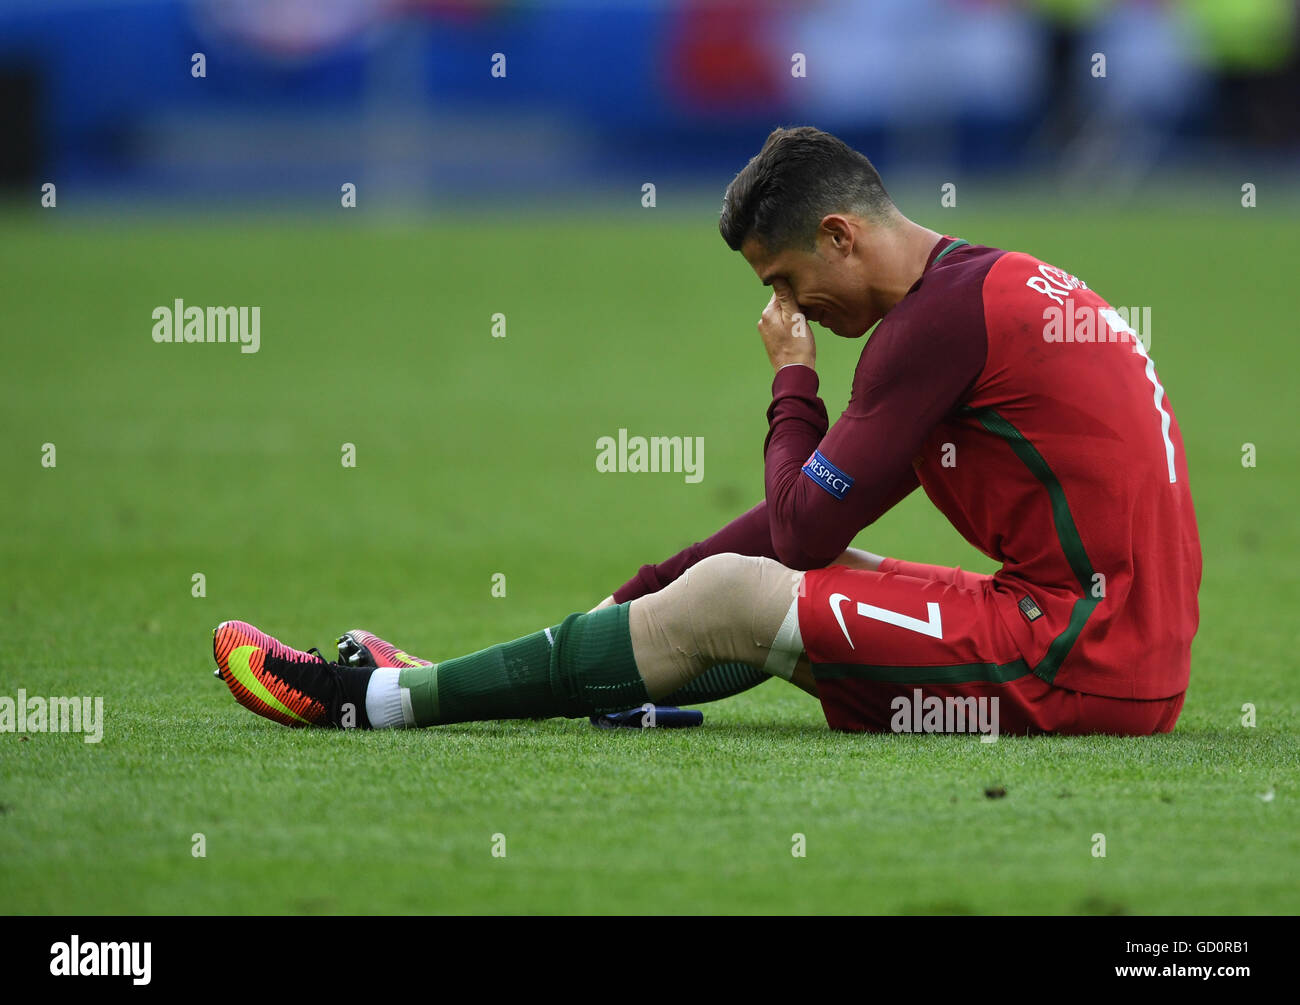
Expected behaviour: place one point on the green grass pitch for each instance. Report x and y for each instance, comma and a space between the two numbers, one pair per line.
476, 456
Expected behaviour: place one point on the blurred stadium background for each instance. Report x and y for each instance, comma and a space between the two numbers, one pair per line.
396, 95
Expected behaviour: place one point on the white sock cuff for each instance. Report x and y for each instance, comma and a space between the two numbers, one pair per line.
384, 705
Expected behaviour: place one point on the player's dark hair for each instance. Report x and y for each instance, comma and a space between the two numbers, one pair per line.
799, 176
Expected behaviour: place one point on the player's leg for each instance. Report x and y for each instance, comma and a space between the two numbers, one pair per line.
361, 648
727, 609
728, 679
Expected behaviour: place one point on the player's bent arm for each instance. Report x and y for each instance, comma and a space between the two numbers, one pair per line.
812, 525
823, 486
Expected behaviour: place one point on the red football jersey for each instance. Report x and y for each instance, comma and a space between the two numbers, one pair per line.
1065, 463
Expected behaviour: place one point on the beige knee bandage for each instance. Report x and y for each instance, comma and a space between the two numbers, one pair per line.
725, 609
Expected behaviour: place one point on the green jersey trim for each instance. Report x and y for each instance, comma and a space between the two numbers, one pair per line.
1067, 534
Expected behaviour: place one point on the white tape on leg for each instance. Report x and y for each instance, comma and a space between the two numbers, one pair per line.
787, 647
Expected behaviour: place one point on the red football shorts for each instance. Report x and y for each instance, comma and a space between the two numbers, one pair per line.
922, 648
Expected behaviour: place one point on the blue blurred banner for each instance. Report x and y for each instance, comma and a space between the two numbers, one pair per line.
432, 99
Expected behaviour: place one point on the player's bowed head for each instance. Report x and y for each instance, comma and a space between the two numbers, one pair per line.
813, 220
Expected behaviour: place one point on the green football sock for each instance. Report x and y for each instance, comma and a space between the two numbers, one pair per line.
720, 681
583, 666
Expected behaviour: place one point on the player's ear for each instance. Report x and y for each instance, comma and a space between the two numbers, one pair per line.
837, 233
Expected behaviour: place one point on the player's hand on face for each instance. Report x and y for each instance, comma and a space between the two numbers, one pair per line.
786, 335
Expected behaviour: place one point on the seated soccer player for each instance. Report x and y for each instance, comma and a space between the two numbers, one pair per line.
1024, 405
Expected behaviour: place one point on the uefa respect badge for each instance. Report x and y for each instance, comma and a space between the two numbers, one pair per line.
827, 475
